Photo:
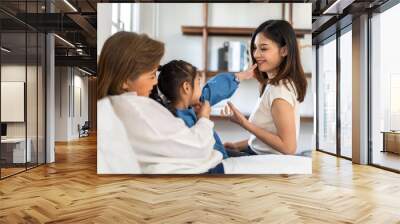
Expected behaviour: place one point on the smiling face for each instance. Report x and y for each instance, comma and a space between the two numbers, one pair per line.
267, 54
143, 84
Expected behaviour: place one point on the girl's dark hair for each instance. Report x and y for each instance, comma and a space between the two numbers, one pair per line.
282, 33
172, 76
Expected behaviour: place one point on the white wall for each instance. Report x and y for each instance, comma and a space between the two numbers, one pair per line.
177, 46
33, 126
79, 117
12, 73
67, 115
104, 13
61, 103
302, 15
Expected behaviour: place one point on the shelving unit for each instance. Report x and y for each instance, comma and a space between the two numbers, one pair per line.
229, 31
302, 118
205, 31
210, 74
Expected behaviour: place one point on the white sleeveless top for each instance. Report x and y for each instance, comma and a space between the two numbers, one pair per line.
262, 116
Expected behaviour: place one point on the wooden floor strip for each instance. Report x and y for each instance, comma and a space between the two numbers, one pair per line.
70, 191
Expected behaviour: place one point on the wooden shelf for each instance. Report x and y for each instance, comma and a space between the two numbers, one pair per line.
306, 119
230, 31
220, 117
210, 74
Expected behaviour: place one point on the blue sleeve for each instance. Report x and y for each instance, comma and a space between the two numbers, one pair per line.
220, 87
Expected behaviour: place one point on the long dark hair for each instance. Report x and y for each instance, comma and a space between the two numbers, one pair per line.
172, 76
282, 33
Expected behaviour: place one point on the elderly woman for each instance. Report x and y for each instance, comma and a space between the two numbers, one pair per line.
158, 141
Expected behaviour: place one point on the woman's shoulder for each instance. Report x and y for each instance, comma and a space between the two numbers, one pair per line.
284, 89
139, 105
283, 86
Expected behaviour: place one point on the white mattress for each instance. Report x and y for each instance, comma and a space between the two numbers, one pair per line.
268, 164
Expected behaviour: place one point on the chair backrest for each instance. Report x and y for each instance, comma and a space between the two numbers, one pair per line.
86, 125
114, 151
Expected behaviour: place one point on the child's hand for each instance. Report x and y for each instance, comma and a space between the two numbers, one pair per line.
196, 108
204, 110
248, 74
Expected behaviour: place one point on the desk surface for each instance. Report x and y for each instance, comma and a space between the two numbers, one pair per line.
13, 140
391, 132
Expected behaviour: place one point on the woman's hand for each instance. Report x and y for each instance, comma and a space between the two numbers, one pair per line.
204, 110
231, 145
248, 74
234, 114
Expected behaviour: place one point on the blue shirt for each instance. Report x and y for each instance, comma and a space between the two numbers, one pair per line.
218, 88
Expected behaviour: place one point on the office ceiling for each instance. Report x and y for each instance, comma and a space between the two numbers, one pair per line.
328, 13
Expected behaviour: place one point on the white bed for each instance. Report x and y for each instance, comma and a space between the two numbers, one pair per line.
113, 145
268, 164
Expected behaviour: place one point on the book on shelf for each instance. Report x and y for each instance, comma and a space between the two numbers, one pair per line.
223, 57
233, 56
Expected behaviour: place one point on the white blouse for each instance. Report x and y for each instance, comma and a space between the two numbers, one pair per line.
161, 142
262, 116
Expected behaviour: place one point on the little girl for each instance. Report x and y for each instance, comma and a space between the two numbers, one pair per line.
180, 82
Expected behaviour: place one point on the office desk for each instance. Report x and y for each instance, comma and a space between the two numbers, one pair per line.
13, 150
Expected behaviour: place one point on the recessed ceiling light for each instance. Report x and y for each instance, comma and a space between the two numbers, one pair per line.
70, 5
5, 50
64, 40
86, 72
338, 6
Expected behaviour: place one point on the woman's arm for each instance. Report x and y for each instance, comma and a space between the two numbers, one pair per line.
239, 146
153, 131
284, 140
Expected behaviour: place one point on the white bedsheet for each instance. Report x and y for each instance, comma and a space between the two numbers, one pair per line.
268, 164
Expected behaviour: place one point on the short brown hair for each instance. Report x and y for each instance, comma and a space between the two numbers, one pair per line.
126, 55
282, 33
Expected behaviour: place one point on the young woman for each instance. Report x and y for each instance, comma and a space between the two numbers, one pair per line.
274, 123
161, 142
180, 83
